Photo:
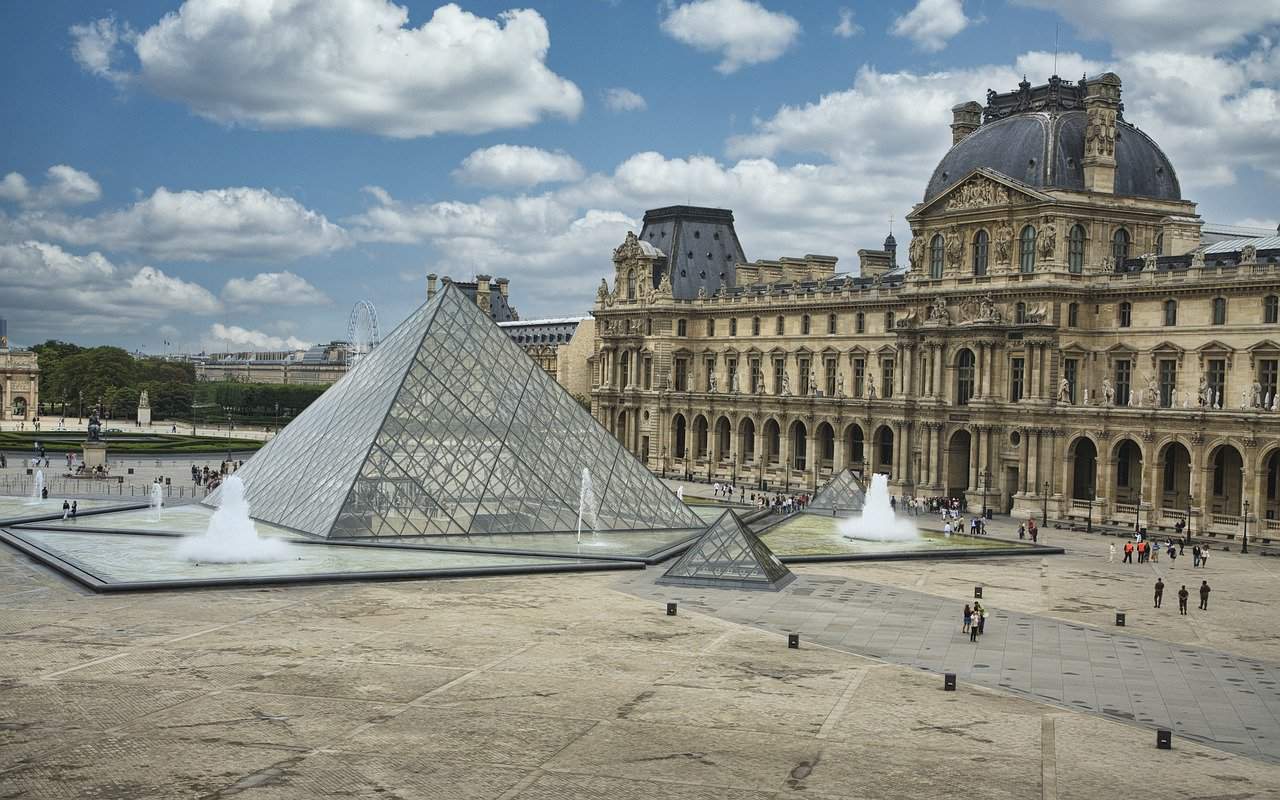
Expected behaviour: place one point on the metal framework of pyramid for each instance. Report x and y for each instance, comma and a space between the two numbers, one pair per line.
448, 427
842, 494
731, 556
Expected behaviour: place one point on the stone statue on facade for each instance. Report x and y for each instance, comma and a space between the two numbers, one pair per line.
1248, 254
1149, 262
1197, 259
664, 284
1004, 238
813, 386
1275, 402
955, 246
938, 313
1108, 392
987, 311
1048, 238
1258, 399
1204, 393
1064, 390
915, 253
733, 383
713, 383
871, 390
602, 294
1108, 264
786, 385
839, 384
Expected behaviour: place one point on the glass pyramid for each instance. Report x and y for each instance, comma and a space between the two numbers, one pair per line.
447, 427
731, 556
842, 494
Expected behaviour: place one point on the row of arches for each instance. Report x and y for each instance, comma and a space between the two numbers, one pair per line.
763, 443
980, 249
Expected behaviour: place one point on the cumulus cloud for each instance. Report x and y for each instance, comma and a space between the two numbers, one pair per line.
741, 31
931, 23
517, 165
236, 338
618, 99
846, 28
355, 64
63, 186
1165, 25
50, 291
273, 288
235, 223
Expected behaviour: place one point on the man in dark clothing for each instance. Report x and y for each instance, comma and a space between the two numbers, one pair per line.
1159, 591
1204, 595
1183, 594
1195, 556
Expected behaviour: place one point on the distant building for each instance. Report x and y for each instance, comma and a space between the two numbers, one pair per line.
561, 347
481, 290
320, 365
19, 380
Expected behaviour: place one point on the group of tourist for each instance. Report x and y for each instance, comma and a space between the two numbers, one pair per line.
780, 503
975, 620
1183, 595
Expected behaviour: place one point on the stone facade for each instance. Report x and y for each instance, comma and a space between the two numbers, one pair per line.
19, 380
1050, 348
562, 347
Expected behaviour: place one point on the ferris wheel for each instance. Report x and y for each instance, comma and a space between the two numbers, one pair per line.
362, 330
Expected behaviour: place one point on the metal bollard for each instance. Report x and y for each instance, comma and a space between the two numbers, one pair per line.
1164, 739
793, 641
977, 592
671, 609
1119, 619
949, 682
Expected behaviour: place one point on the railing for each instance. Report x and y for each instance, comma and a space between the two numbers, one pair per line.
1271, 525
1126, 508
113, 486
1081, 505
1224, 520
1173, 514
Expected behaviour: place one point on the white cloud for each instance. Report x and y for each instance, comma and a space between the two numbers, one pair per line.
741, 31
931, 23
235, 337
14, 188
63, 186
235, 223
618, 99
1181, 25
353, 64
846, 28
273, 288
51, 291
516, 165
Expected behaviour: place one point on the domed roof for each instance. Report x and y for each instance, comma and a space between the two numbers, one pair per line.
1046, 150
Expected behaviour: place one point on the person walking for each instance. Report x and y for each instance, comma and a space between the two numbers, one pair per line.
1159, 591
1195, 556
1173, 555
66, 509
1128, 553
75, 508
1204, 595
973, 630
1111, 553
1204, 557
1183, 594
968, 618
982, 620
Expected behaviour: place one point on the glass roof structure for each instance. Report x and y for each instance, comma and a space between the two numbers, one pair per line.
448, 427
731, 556
843, 493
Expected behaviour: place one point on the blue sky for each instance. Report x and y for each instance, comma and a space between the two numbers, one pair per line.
232, 173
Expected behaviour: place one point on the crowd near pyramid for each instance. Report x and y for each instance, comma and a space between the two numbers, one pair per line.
842, 494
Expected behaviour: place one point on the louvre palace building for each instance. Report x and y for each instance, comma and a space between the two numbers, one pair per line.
1066, 336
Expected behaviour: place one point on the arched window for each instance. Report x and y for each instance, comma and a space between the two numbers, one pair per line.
679, 435
1219, 311
1271, 309
755, 326
1125, 314
964, 377
1160, 244
631, 284
1170, 313
804, 325
1120, 246
831, 323
935, 256
778, 325
860, 323
1027, 250
980, 243
1075, 250
624, 370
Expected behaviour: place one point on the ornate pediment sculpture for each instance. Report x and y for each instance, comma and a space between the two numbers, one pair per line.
977, 192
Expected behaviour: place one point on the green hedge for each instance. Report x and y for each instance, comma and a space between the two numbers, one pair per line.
136, 444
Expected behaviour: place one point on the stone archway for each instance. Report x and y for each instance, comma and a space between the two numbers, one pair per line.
826, 446
724, 439
854, 447
799, 446
1084, 469
701, 441
747, 439
882, 458
680, 436
1226, 478
958, 454
772, 447
1173, 471
1269, 502
1126, 484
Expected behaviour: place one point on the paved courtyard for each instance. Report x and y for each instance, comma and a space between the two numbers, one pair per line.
577, 687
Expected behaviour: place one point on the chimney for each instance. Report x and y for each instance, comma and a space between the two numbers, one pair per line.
1101, 106
965, 119
502, 286
482, 292
431, 285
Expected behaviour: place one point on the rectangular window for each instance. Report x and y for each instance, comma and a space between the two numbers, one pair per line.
1268, 373
1124, 377
757, 376
682, 375
731, 372
711, 328
648, 373
1168, 382
1017, 368
803, 369
682, 328
831, 323
1073, 315
886, 378
733, 327
778, 326
888, 320
1071, 371
859, 377
830, 381
860, 323
1219, 311
710, 373
1216, 377
779, 370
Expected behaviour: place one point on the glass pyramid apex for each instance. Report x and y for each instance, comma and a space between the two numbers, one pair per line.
448, 427
842, 494
729, 555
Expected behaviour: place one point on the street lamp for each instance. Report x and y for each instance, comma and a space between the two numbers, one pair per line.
1044, 516
1088, 526
1244, 540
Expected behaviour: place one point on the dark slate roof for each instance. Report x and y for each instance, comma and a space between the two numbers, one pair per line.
1045, 149
701, 246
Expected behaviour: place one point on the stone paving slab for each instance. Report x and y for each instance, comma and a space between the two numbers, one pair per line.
1217, 698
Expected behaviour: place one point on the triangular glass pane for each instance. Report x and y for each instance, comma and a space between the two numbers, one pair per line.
729, 554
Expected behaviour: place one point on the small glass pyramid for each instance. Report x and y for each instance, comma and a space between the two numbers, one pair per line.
448, 427
843, 494
731, 556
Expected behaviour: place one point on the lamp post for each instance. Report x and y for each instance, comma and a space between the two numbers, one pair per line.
1244, 540
1044, 515
1088, 525
986, 483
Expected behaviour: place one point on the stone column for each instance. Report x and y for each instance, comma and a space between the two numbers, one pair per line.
907, 363
989, 368
938, 390
975, 450
935, 444
1029, 372
1024, 455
